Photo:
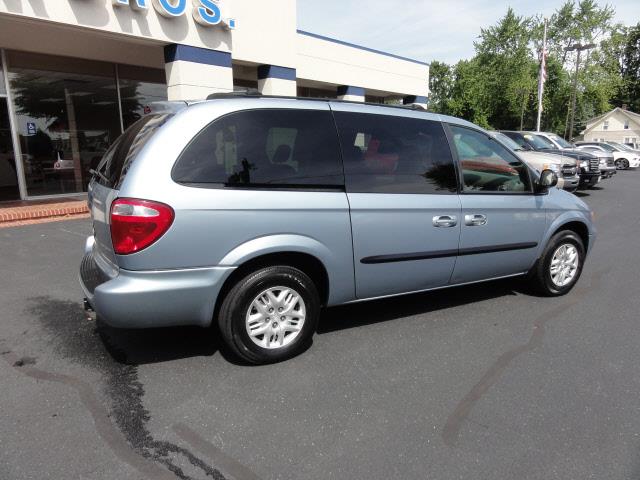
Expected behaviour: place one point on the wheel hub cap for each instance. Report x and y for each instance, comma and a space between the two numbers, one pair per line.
564, 264
270, 330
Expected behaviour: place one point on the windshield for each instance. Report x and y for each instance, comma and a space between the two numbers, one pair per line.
538, 142
501, 137
603, 146
619, 146
560, 141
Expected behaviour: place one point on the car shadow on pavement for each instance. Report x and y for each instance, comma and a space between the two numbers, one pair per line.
139, 347
376, 311
156, 345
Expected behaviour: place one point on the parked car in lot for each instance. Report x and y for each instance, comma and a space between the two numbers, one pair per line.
608, 166
253, 213
565, 168
589, 164
629, 147
605, 157
623, 158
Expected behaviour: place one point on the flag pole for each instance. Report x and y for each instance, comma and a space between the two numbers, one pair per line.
543, 74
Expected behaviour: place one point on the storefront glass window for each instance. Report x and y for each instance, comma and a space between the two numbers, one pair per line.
66, 116
8, 176
138, 88
3, 90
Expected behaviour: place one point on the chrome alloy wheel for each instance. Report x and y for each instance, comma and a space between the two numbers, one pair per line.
564, 264
275, 317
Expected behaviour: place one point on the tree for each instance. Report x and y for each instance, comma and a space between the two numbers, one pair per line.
631, 68
498, 87
585, 22
506, 63
621, 56
440, 86
467, 95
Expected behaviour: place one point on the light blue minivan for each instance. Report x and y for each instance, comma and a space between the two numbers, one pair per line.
252, 213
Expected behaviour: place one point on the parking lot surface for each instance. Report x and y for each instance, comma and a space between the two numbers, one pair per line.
484, 381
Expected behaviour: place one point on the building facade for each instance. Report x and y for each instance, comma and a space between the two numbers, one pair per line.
75, 73
618, 125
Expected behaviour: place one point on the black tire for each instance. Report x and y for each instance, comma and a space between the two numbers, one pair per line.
619, 164
625, 163
233, 314
540, 275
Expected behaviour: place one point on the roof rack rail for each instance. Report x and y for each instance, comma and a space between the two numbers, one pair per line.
244, 92
414, 106
254, 93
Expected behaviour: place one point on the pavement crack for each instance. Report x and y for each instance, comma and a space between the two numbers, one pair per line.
227, 463
451, 429
91, 346
98, 412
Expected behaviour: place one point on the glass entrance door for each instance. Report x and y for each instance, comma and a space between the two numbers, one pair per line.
8, 177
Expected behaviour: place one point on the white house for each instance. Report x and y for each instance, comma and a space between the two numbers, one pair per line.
618, 125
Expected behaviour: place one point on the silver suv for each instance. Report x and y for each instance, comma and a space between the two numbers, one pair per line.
253, 213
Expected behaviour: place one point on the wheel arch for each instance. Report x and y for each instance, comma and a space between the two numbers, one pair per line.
305, 262
579, 227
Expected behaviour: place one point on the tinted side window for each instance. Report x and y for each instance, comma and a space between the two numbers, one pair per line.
392, 154
120, 156
486, 165
264, 147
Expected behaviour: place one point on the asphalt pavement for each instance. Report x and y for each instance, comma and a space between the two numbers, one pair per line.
476, 382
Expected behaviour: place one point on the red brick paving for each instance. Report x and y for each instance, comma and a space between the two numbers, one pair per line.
12, 213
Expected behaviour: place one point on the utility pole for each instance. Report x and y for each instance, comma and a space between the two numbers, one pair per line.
578, 48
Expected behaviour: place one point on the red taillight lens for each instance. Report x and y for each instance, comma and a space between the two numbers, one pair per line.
136, 224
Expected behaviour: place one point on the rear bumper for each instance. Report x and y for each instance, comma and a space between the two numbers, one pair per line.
145, 299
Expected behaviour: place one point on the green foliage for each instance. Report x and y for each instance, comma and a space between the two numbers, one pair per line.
498, 87
440, 86
621, 56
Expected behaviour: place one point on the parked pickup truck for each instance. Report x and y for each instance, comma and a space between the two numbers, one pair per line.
565, 168
589, 164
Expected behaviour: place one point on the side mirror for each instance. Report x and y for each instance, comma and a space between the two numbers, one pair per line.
548, 179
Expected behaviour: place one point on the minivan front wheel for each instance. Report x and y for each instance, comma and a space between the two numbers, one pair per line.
270, 315
560, 266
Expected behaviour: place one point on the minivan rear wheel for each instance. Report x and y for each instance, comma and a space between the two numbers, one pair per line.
560, 265
270, 315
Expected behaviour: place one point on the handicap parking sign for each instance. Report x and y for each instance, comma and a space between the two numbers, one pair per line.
31, 128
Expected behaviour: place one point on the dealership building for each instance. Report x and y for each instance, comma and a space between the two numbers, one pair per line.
75, 73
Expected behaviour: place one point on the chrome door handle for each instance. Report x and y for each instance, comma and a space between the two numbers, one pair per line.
445, 221
475, 220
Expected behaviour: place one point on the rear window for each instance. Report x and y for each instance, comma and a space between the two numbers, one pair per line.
271, 148
118, 159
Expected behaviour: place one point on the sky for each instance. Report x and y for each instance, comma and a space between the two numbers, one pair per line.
424, 30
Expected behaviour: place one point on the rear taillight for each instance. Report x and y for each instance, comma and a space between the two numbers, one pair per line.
136, 224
